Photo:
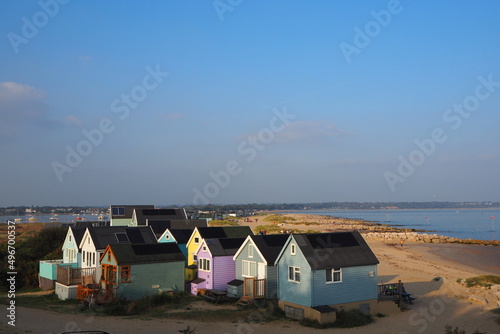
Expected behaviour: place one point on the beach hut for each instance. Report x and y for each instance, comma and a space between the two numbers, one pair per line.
216, 266
96, 239
72, 256
318, 273
200, 233
255, 265
133, 271
121, 215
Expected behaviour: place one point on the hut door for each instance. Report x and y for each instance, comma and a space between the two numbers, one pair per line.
261, 270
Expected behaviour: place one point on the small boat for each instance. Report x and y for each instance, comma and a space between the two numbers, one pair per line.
18, 220
54, 217
79, 218
32, 219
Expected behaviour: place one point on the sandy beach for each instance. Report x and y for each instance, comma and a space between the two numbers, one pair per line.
439, 302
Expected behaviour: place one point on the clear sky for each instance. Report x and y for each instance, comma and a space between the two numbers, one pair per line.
181, 102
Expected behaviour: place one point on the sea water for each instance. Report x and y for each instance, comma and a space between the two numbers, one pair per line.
464, 224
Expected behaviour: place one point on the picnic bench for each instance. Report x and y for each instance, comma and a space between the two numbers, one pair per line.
214, 295
396, 292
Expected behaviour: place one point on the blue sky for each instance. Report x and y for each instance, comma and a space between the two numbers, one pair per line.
248, 101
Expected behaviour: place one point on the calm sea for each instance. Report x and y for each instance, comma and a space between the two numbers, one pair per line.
464, 224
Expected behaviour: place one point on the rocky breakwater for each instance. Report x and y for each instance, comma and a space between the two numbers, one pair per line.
396, 237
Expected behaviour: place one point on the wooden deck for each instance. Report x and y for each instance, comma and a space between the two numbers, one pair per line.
68, 275
253, 288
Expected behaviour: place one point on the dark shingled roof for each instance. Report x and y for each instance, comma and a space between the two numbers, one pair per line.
270, 245
224, 246
225, 232
79, 231
235, 282
160, 226
198, 280
143, 215
181, 236
334, 250
147, 253
107, 235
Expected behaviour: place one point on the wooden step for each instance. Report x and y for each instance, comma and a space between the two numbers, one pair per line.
245, 301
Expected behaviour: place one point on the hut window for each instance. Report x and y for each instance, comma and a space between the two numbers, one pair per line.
250, 250
294, 274
249, 268
196, 240
204, 264
292, 249
109, 256
125, 274
334, 275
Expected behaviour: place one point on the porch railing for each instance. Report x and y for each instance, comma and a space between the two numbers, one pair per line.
68, 275
254, 287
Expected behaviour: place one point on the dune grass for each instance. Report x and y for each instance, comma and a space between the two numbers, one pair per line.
484, 280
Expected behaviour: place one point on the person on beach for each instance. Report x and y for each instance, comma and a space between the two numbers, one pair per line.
401, 243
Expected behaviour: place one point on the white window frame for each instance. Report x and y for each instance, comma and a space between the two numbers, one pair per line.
204, 264
246, 269
250, 251
293, 249
332, 272
294, 274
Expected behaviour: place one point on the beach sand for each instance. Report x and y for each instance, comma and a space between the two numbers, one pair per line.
439, 302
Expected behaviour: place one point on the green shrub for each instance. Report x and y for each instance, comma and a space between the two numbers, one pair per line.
45, 244
279, 219
222, 223
484, 280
